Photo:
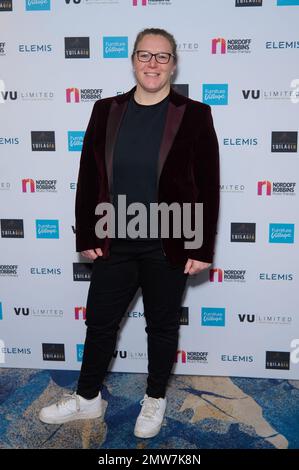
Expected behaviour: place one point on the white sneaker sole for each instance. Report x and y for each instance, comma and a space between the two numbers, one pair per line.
144, 434
66, 419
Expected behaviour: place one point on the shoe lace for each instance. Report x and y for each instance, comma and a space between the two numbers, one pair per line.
67, 397
149, 406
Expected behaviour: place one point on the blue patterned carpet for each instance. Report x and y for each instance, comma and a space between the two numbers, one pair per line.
202, 413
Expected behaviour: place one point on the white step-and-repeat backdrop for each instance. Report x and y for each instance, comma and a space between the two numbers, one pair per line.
240, 56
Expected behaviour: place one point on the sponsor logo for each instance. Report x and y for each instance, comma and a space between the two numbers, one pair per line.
281, 233
270, 95
9, 270
284, 141
8, 96
192, 357
35, 48
215, 94
38, 271
80, 351
212, 316
230, 46
240, 141
35, 5
115, 47
74, 95
38, 186
5, 5
75, 140
76, 48
288, 3
282, 45
38, 312
14, 350
268, 188
237, 358
184, 316
82, 271
80, 313
43, 141
53, 352
47, 229
243, 232
276, 277
249, 3
227, 275
265, 319
12, 228
278, 360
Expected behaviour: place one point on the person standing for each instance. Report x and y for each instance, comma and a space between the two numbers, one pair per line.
151, 145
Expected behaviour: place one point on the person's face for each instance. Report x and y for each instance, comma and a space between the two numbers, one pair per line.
152, 76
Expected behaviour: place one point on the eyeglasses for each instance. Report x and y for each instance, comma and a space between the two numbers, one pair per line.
160, 57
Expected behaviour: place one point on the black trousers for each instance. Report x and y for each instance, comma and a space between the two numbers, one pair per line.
114, 282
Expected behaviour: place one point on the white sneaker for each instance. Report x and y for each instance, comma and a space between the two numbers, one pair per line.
71, 407
151, 416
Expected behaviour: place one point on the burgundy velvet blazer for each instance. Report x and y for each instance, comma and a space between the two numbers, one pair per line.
188, 170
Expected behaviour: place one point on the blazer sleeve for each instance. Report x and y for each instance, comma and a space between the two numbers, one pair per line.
87, 191
208, 182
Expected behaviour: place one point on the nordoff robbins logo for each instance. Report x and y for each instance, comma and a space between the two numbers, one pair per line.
186, 218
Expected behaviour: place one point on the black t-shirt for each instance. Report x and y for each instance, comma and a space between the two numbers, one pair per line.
136, 153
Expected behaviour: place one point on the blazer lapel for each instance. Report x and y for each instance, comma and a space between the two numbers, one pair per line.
117, 110
173, 121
